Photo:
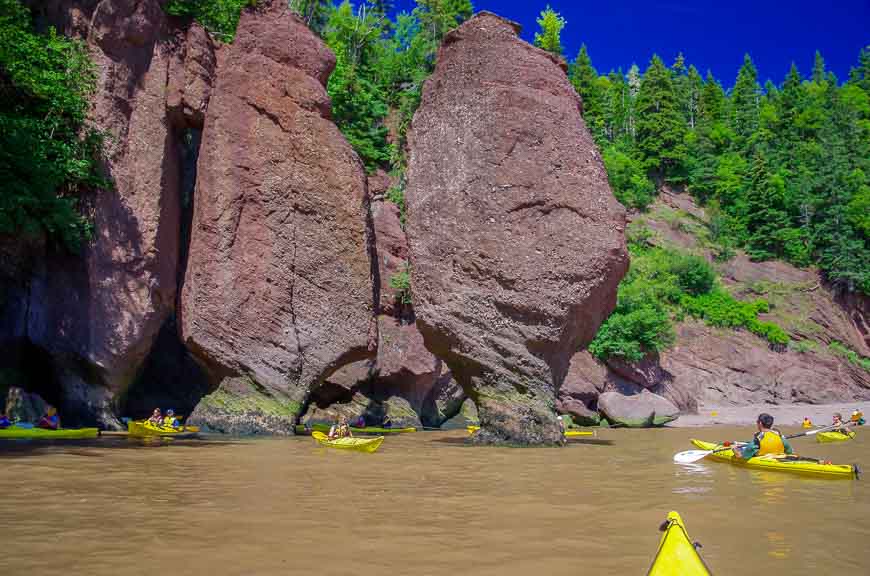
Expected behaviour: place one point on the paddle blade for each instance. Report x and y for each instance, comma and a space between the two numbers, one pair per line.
690, 456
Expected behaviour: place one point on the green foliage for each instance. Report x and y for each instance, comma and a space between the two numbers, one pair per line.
48, 152
401, 283
662, 285
220, 17
629, 181
660, 125
853, 357
396, 195
549, 37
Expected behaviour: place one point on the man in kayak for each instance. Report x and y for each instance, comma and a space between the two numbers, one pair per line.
858, 417
50, 420
340, 429
4, 422
170, 419
807, 422
766, 441
156, 417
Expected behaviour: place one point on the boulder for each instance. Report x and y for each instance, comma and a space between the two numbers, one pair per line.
641, 410
467, 416
278, 281
444, 401
585, 380
241, 406
516, 241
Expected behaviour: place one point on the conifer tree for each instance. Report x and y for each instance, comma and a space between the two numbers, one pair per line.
549, 37
584, 78
745, 101
660, 125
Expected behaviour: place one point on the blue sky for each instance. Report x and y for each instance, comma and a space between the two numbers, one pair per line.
712, 34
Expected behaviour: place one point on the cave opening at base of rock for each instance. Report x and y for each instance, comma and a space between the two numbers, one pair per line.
29, 367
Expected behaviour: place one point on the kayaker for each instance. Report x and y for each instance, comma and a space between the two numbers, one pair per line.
156, 417
4, 421
766, 441
561, 425
807, 423
340, 429
841, 426
50, 420
170, 419
858, 417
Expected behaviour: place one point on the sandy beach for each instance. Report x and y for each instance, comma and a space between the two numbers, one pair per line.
783, 414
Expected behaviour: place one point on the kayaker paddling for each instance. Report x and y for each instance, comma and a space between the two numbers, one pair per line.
840, 426
170, 419
4, 421
807, 422
50, 420
156, 417
766, 442
340, 429
857, 417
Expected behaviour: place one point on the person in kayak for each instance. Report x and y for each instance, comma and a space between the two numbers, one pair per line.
766, 441
340, 429
4, 421
841, 426
50, 420
170, 419
807, 422
156, 417
857, 417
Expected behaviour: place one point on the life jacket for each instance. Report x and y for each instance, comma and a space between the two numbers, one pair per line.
807, 423
171, 421
769, 442
341, 430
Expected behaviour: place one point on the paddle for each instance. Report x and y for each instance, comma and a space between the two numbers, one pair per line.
690, 456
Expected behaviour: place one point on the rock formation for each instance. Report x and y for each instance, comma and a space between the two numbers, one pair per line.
641, 410
98, 314
516, 239
278, 283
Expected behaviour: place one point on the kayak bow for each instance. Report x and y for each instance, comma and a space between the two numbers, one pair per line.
834, 437
677, 556
144, 428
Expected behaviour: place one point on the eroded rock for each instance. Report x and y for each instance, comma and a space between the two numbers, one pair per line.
278, 280
516, 240
641, 410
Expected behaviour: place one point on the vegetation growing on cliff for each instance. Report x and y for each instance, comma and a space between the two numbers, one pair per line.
48, 152
664, 285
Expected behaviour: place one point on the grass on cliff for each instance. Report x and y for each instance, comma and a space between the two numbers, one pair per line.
853, 357
664, 285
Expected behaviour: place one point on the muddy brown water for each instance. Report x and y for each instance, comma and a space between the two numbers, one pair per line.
424, 504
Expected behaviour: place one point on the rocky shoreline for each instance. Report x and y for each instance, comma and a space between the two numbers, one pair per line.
783, 414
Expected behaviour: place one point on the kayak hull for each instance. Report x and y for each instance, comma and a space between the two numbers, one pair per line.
568, 433
804, 467
371, 430
16, 433
677, 556
826, 437
143, 429
367, 445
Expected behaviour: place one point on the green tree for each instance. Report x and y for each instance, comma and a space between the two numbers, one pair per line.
550, 24
745, 101
585, 80
49, 154
220, 17
660, 125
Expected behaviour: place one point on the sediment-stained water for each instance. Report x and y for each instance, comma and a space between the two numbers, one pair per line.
424, 504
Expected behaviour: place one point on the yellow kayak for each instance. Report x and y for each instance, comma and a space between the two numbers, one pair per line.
834, 437
568, 433
677, 556
359, 444
21, 433
374, 430
143, 428
783, 463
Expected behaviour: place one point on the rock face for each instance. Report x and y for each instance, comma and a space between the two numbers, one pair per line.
104, 309
516, 239
637, 411
24, 407
278, 283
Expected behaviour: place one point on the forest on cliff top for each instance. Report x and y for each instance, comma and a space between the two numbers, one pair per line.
783, 171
